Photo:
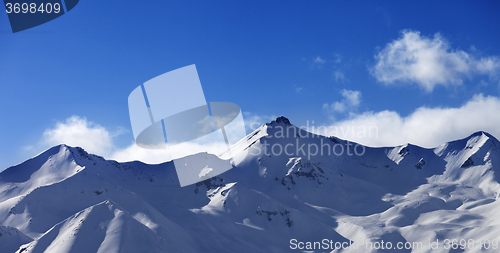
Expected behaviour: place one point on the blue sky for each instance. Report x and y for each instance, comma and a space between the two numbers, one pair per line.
420, 71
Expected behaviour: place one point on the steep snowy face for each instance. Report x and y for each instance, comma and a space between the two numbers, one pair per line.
473, 162
11, 238
286, 184
103, 227
478, 149
52, 166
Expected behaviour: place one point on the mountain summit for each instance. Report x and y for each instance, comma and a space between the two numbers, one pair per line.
282, 119
288, 187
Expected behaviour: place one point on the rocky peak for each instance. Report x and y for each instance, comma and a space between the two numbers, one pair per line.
282, 120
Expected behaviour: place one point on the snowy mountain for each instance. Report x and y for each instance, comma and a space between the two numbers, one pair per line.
289, 191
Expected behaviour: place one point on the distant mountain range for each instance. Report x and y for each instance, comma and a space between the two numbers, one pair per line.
289, 191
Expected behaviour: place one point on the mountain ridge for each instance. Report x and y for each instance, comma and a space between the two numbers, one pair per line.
263, 202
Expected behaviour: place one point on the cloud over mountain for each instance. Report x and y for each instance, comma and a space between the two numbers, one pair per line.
428, 62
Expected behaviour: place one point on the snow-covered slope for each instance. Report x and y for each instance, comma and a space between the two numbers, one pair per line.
287, 186
11, 239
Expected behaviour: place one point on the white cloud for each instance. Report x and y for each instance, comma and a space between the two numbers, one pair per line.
318, 60
337, 58
317, 63
427, 127
339, 69
489, 66
297, 89
136, 153
77, 131
155, 156
428, 62
349, 103
352, 97
337, 64
339, 76
254, 121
